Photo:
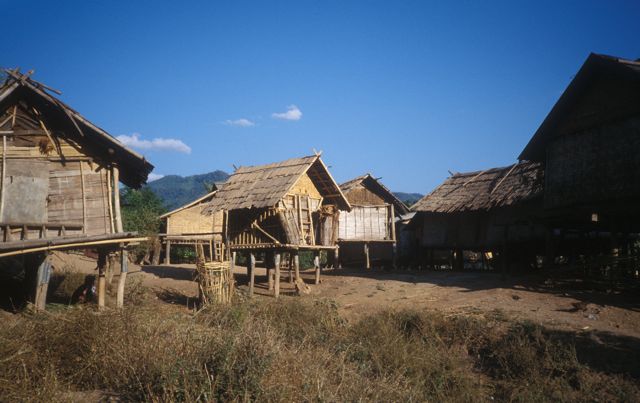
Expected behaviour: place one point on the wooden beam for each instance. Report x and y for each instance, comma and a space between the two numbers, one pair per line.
269, 267
84, 199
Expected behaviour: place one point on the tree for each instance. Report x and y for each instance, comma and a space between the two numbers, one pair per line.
141, 211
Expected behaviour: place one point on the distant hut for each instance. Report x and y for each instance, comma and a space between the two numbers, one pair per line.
187, 225
289, 206
367, 233
589, 145
59, 183
484, 211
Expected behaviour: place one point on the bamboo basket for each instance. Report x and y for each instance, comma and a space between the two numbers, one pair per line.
215, 281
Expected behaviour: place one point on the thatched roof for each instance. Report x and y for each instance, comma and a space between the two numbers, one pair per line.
202, 199
374, 185
264, 185
485, 190
134, 168
614, 85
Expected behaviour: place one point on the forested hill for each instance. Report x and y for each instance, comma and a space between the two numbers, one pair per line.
175, 190
408, 198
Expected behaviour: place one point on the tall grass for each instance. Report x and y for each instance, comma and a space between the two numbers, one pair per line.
293, 350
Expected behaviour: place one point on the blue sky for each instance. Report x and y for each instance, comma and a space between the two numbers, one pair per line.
403, 89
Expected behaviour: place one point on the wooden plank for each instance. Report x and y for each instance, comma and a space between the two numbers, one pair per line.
116, 199
84, 199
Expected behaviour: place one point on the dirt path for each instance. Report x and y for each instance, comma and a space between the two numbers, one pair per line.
359, 292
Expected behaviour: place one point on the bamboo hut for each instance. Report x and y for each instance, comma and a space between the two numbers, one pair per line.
589, 145
187, 225
285, 207
59, 182
484, 211
367, 233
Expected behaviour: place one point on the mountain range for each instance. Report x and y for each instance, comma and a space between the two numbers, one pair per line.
176, 191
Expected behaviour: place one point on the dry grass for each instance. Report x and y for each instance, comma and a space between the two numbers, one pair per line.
296, 350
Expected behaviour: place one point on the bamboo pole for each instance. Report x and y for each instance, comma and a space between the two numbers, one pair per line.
116, 198
84, 199
73, 245
110, 198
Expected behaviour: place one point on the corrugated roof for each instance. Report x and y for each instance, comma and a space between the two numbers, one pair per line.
484, 190
264, 185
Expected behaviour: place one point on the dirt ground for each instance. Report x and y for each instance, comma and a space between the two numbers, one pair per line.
358, 292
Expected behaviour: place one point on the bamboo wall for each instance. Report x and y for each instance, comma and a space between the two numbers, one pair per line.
191, 221
366, 223
50, 185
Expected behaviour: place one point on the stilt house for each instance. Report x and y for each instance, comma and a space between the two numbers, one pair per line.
481, 211
589, 145
59, 177
289, 206
367, 233
187, 225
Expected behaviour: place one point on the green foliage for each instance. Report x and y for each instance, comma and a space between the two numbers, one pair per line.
176, 191
141, 210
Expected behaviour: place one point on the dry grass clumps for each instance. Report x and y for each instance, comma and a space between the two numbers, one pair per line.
294, 350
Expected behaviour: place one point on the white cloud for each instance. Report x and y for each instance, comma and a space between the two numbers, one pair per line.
292, 113
240, 122
154, 177
160, 144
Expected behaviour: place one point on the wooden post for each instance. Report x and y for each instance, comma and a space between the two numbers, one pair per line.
336, 254
102, 263
290, 260
366, 256
211, 254
167, 253
296, 265
316, 265
270, 265
42, 284
124, 269
394, 256
251, 271
276, 285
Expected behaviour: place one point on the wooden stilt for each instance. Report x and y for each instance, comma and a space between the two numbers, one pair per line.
124, 269
394, 256
366, 256
270, 265
251, 271
102, 263
316, 265
42, 284
336, 258
276, 285
290, 261
296, 265
167, 253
